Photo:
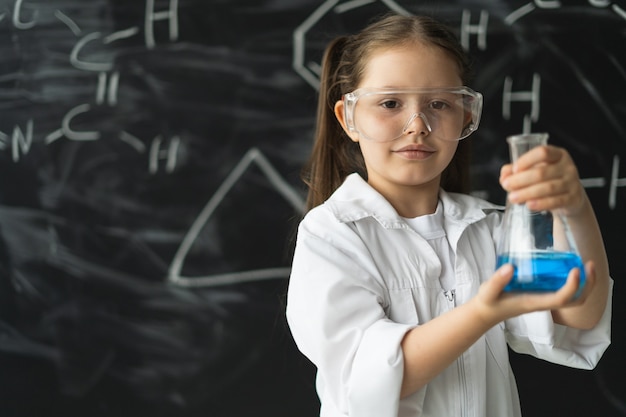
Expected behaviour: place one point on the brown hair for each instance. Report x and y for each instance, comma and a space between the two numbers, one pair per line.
334, 155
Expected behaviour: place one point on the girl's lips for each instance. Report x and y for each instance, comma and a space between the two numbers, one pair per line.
415, 152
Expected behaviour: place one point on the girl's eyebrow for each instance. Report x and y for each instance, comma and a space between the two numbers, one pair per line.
409, 88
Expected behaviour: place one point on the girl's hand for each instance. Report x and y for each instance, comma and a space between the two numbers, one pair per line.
495, 305
545, 178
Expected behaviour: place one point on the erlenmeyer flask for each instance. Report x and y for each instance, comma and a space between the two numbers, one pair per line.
538, 244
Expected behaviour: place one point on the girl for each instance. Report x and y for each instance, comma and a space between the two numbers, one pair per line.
392, 293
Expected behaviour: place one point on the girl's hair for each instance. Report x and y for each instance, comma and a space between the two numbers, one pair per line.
334, 155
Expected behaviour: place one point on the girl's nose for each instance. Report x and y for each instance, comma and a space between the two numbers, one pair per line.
422, 127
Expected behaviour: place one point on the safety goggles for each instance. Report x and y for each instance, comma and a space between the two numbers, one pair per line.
383, 115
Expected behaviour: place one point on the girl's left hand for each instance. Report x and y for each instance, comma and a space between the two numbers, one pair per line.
545, 178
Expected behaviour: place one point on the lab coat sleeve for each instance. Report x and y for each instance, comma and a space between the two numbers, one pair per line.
536, 334
335, 310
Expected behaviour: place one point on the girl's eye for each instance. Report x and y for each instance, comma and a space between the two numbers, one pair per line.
390, 104
439, 105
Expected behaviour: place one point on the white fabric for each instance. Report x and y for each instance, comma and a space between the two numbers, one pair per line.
361, 278
430, 227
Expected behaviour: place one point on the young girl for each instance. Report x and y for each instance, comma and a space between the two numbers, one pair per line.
393, 294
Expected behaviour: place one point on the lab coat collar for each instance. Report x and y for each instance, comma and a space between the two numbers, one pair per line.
355, 199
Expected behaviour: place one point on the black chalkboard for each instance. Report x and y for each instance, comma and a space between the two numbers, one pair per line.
149, 189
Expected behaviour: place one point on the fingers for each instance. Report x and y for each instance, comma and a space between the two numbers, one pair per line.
547, 154
528, 302
590, 280
567, 293
509, 304
544, 178
505, 172
494, 287
542, 194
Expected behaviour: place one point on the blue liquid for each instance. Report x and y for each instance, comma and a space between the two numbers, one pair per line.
541, 271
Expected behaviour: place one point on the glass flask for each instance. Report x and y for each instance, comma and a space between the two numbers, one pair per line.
538, 244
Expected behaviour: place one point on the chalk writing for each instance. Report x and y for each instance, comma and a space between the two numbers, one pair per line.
149, 149
556, 4
480, 29
309, 69
253, 156
107, 84
532, 96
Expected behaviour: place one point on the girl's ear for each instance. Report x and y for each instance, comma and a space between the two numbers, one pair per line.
340, 115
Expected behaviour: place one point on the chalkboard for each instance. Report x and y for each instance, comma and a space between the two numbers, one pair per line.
149, 189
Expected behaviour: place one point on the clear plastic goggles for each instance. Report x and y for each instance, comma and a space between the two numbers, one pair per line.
383, 115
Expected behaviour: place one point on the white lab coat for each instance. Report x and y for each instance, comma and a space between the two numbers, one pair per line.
362, 277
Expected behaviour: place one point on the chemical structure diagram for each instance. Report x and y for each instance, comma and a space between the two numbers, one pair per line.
162, 23
26, 17
160, 150
309, 68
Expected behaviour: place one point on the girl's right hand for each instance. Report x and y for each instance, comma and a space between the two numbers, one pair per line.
495, 305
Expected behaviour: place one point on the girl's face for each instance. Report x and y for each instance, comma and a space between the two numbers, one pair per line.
416, 158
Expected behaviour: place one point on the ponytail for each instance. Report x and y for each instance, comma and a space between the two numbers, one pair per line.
334, 155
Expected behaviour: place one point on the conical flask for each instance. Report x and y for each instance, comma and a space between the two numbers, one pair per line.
538, 244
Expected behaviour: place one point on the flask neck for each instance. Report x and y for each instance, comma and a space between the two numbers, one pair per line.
520, 144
